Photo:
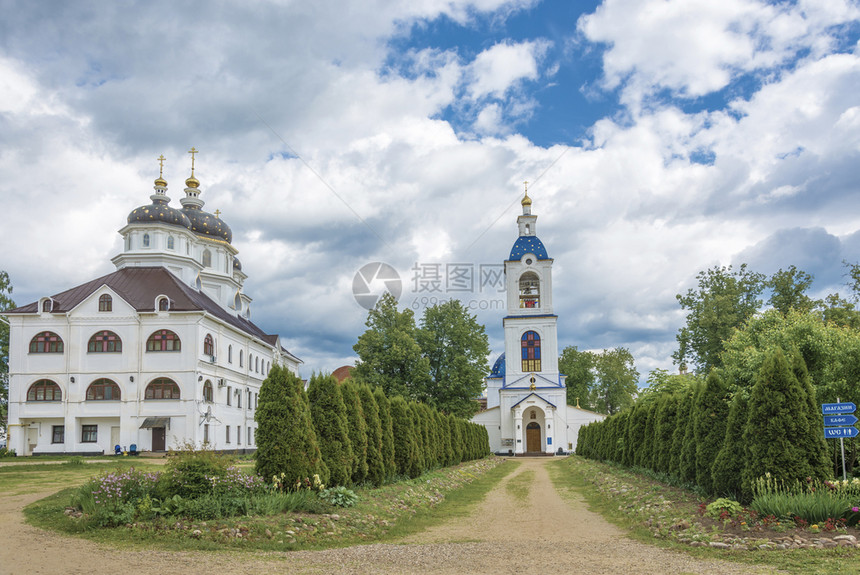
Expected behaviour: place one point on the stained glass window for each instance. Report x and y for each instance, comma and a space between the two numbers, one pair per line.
163, 340
46, 342
531, 351
104, 342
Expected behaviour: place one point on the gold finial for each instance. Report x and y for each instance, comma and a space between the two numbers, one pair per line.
527, 201
577, 403
218, 214
192, 181
161, 182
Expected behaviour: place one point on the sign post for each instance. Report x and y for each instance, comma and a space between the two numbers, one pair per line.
836, 416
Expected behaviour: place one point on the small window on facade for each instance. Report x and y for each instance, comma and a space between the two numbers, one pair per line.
104, 342
205, 433
89, 433
227, 433
105, 303
230, 353
207, 259
47, 305
208, 345
163, 340
229, 395
44, 390
238, 435
237, 302
103, 390
530, 344
239, 399
257, 365
58, 434
250, 362
240, 358
170, 243
146, 240
46, 342
207, 391
249, 437
163, 304
162, 388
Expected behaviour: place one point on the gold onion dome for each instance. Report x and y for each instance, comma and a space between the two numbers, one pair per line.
527, 201
192, 182
161, 182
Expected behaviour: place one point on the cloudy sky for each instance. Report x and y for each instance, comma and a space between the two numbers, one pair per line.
659, 137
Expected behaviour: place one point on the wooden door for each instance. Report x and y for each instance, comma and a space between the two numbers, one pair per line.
533, 438
158, 439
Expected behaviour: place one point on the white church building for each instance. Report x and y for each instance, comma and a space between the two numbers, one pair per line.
527, 411
156, 354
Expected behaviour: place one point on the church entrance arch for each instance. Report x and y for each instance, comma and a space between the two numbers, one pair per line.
533, 438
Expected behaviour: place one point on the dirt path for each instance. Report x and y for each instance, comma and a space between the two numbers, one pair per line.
537, 533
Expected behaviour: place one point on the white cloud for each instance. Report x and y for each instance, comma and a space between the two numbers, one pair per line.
503, 67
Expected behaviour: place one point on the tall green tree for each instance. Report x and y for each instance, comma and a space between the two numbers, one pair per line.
388, 351
662, 383
5, 303
357, 429
788, 291
328, 413
578, 366
778, 430
373, 425
384, 406
724, 300
456, 348
730, 462
617, 380
712, 410
406, 454
286, 439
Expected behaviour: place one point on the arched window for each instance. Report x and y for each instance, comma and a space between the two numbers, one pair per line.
163, 304
240, 358
48, 305
531, 351
162, 388
146, 240
237, 302
104, 342
257, 364
268, 367
230, 353
170, 243
46, 342
529, 290
208, 345
103, 390
207, 259
250, 362
105, 303
207, 392
163, 340
44, 390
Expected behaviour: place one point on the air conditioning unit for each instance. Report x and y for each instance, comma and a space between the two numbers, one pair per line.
222, 382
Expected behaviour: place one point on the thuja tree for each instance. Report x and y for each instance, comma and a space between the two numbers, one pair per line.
373, 425
711, 411
685, 407
687, 457
419, 461
813, 443
357, 429
731, 459
286, 440
387, 433
667, 408
777, 434
404, 438
330, 422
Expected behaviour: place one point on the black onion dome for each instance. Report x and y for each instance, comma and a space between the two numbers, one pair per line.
159, 211
237, 265
207, 224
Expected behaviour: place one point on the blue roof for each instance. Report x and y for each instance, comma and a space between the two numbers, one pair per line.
498, 367
528, 245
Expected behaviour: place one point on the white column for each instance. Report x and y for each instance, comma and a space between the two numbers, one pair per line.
551, 429
519, 432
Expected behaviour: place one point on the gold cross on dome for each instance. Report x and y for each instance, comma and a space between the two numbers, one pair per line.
526, 184
218, 214
161, 159
193, 151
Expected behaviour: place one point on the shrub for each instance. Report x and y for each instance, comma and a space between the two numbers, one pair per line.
723, 505
329, 417
111, 499
812, 501
339, 496
189, 471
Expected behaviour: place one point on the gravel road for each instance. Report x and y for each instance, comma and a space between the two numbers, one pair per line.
540, 533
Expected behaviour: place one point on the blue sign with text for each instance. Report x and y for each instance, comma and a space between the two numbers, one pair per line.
834, 408
837, 432
831, 420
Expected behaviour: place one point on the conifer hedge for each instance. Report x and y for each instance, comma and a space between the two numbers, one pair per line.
721, 441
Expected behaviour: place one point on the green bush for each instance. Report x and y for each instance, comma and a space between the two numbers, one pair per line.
339, 496
813, 501
189, 470
716, 508
329, 417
